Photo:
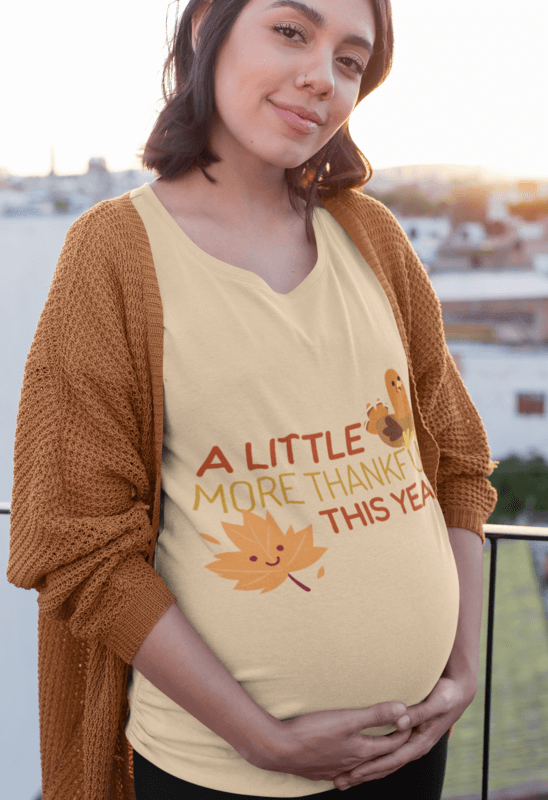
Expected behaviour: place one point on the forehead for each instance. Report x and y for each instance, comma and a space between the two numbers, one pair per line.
354, 16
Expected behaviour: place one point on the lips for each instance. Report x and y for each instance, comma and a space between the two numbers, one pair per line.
275, 564
296, 122
301, 111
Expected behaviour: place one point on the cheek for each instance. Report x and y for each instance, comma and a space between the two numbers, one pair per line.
344, 104
244, 66
338, 115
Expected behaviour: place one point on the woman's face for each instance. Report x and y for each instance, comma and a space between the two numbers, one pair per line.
261, 67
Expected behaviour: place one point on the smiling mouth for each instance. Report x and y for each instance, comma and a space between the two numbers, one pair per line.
275, 563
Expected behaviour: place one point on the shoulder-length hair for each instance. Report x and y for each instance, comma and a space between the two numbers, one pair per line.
179, 139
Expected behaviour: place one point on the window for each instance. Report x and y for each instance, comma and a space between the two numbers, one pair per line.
531, 404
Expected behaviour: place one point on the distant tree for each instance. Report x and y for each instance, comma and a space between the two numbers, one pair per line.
530, 210
61, 205
519, 482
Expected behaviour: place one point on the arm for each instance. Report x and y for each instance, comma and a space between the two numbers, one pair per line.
79, 529
175, 659
465, 495
456, 438
463, 662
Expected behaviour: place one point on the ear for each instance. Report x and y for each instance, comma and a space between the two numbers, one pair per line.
198, 19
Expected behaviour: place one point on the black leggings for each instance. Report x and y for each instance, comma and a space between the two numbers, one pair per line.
417, 780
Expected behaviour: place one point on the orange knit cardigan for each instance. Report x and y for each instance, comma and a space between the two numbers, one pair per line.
87, 460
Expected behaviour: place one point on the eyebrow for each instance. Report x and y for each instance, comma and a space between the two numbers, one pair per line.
319, 21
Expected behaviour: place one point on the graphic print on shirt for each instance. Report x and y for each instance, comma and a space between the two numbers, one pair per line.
266, 555
395, 429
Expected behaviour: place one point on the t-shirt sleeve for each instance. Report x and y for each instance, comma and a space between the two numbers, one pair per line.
80, 530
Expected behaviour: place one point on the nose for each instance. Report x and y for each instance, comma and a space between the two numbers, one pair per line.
319, 76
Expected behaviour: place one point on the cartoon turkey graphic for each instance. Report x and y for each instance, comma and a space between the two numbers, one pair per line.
398, 428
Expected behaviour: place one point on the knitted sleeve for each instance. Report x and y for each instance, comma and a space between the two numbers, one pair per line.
465, 495
81, 490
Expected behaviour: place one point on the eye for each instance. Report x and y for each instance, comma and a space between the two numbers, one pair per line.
280, 547
360, 67
292, 30
253, 558
393, 384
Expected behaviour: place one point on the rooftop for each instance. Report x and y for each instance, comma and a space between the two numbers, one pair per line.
507, 285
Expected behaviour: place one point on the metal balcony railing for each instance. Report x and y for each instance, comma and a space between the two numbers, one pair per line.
493, 533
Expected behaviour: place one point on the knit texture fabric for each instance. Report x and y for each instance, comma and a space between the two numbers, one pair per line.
85, 505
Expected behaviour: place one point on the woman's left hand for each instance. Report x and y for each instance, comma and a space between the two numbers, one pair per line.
430, 719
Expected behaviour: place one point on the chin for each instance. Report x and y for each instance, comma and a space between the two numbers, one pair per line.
285, 160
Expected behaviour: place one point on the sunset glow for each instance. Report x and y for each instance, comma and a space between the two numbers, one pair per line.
467, 85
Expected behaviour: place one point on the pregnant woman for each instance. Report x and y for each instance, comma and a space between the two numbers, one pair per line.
249, 483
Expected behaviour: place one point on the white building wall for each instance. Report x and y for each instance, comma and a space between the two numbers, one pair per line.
494, 375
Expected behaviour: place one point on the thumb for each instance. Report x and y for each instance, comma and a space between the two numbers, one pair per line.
378, 715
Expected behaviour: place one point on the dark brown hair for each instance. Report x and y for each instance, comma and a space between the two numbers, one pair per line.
179, 139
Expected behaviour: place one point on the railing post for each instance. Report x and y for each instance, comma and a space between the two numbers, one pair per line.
489, 666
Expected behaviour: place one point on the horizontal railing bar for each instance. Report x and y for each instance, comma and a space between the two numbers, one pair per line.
515, 531
491, 531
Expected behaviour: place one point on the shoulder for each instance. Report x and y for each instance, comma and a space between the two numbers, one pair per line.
106, 246
107, 219
109, 233
377, 219
374, 229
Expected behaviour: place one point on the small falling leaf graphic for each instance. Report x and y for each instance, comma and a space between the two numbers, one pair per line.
321, 572
209, 538
266, 555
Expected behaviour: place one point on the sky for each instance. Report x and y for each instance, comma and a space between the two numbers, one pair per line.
467, 85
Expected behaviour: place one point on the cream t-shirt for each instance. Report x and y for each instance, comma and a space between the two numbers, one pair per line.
299, 532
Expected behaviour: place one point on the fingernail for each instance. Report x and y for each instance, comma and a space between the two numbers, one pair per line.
405, 721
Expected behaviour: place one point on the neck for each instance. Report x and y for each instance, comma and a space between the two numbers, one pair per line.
247, 187
241, 193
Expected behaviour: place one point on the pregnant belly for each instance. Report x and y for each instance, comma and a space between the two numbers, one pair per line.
362, 643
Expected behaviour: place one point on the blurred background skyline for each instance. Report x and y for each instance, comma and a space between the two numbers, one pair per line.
466, 86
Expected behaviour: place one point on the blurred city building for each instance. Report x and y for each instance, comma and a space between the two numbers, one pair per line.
508, 306
509, 386
482, 238
39, 195
491, 277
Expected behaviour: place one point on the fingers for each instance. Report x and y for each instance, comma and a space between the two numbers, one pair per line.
377, 746
403, 722
418, 745
446, 695
378, 715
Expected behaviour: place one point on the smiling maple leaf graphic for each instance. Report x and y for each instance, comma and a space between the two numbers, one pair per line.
266, 555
